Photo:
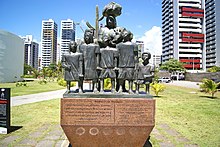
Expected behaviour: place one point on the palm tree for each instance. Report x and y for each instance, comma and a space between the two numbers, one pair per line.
35, 73
209, 86
44, 72
27, 69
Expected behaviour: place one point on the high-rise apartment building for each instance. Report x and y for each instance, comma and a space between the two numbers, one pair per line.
31, 49
183, 29
48, 42
67, 34
156, 60
212, 15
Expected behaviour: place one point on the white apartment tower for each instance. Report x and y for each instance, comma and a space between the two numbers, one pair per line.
156, 60
30, 51
212, 11
183, 29
67, 34
48, 42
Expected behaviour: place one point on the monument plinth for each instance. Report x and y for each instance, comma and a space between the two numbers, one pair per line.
115, 117
109, 122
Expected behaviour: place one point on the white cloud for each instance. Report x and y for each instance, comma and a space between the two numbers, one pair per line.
153, 40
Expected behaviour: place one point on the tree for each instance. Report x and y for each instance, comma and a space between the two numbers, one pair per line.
209, 86
172, 65
214, 69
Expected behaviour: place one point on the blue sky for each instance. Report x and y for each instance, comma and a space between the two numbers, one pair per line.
23, 17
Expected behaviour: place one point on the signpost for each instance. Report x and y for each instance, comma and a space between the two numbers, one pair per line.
4, 110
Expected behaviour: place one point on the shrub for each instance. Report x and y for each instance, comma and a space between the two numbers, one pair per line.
107, 83
214, 69
62, 82
157, 88
42, 81
18, 84
28, 76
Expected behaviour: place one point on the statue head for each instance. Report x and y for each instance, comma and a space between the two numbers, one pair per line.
72, 46
146, 57
88, 36
111, 22
127, 35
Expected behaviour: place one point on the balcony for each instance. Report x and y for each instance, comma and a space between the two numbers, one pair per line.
190, 20
192, 15
192, 66
189, 5
192, 40
189, 45
194, 35
190, 60
186, 9
190, 30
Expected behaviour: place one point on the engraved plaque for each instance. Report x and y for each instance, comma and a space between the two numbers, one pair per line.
87, 111
134, 112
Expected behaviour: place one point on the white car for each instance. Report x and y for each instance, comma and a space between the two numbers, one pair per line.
164, 80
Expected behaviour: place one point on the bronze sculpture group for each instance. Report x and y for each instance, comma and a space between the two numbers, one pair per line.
110, 54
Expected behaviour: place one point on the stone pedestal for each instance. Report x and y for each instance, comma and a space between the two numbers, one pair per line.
107, 120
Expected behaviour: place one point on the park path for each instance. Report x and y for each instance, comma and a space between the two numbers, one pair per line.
32, 98
187, 84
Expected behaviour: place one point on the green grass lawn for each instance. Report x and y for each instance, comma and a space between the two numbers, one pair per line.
33, 116
32, 87
194, 115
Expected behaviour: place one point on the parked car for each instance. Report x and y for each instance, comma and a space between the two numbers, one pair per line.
164, 80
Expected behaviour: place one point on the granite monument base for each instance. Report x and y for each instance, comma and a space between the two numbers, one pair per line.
106, 120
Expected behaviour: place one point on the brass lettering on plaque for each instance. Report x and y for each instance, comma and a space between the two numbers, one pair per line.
107, 111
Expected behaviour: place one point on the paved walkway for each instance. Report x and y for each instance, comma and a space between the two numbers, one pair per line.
32, 98
51, 135
187, 84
